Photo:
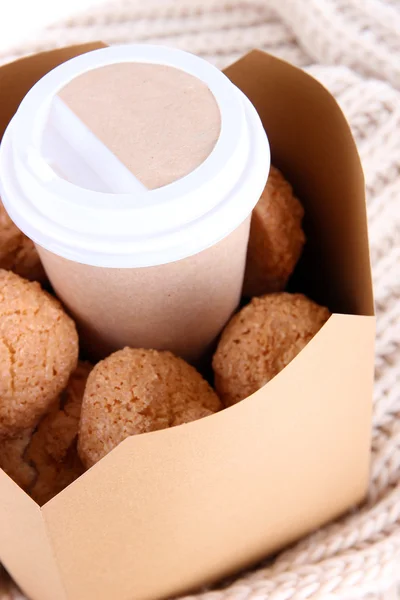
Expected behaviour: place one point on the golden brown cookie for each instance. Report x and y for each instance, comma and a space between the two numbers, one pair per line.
276, 238
53, 449
38, 352
13, 461
46, 461
136, 391
261, 340
18, 252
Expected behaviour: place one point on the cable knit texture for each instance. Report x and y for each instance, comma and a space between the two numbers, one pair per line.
353, 47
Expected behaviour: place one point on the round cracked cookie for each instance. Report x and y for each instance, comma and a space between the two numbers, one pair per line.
136, 391
276, 238
38, 352
261, 340
18, 252
46, 461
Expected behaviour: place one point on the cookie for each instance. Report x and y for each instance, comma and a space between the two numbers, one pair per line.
261, 340
276, 238
13, 462
53, 449
45, 461
18, 252
136, 391
38, 353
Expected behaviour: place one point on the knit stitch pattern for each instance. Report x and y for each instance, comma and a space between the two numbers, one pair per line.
353, 48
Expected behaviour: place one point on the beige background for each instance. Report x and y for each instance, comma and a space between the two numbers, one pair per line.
358, 43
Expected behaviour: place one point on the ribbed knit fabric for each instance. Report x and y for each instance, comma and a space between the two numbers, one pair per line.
353, 47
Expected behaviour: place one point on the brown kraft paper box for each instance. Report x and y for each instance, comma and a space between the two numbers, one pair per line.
169, 511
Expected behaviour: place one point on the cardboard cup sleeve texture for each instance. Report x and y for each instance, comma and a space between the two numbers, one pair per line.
198, 502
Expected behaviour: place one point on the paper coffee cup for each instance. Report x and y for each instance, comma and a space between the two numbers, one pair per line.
134, 169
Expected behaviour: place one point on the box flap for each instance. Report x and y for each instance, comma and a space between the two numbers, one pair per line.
25, 550
199, 501
312, 143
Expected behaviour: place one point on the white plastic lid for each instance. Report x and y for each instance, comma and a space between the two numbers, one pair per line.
111, 219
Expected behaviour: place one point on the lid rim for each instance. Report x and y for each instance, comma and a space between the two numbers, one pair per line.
208, 213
